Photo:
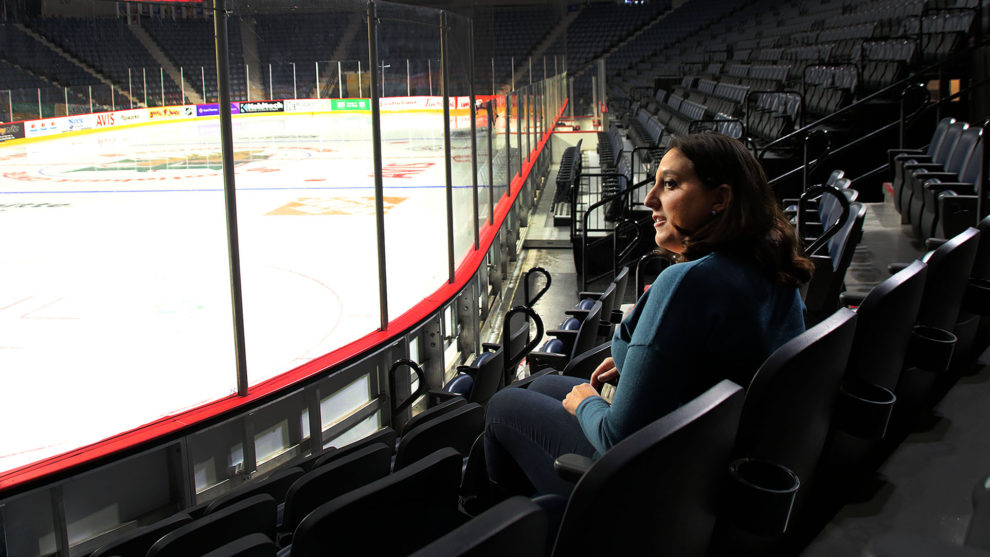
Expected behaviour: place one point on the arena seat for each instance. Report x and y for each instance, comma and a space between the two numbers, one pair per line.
822, 293
256, 514
386, 436
933, 346
666, 478
275, 484
137, 542
516, 527
886, 317
572, 341
337, 477
251, 545
895, 157
457, 428
787, 416
419, 503
906, 164
961, 166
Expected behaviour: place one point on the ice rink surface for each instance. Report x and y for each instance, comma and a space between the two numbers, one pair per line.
114, 287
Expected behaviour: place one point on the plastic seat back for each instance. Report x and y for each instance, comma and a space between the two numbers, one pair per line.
418, 503
385, 436
256, 514
886, 317
949, 267
137, 542
789, 402
336, 478
665, 478
457, 428
516, 527
252, 545
275, 484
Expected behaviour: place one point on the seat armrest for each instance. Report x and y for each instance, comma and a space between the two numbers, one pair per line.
541, 360
579, 313
958, 187
562, 334
895, 268
947, 176
919, 165
491, 346
572, 466
851, 299
437, 396
593, 295
932, 244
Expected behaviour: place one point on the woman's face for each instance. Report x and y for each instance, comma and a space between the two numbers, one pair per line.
681, 203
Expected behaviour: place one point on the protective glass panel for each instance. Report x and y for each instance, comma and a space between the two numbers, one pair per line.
413, 170
461, 160
305, 185
116, 306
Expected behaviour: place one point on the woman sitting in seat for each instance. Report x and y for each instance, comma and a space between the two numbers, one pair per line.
731, 300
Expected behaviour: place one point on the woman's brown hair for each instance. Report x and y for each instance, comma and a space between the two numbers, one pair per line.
753, 224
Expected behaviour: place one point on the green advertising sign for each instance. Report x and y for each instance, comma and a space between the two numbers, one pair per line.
350, 104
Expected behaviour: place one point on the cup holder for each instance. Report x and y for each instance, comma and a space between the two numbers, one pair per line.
761, 495
977, 298
863, 409
930, 348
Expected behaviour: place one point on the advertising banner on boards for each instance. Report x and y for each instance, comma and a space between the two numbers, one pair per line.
11, 131
258, 107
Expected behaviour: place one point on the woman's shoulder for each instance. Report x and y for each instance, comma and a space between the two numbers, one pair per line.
716, 272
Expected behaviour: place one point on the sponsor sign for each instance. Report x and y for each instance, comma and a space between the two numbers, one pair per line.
119, 118
256, 107
83, 122
423, 103
166, 113
307, 105
131, 116
11, 131
38, 128
214, 109
345, 105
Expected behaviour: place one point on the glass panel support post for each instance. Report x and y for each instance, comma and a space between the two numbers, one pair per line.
376, 148
448, 174
230, 196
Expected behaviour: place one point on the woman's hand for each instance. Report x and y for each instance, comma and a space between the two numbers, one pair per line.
577, 395
604, 373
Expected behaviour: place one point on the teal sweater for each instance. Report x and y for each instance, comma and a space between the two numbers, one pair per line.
718, 317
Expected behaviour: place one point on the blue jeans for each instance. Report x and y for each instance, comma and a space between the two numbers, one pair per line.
526, 430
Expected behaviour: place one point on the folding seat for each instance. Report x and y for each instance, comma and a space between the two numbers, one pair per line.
386, 436
821, 294
896, 157
275, 484
457, 428
666, 478
419, 503
516, 526
336, 478
569, 342
252, 545
968, 144
968, 182
949, 268
137, 542
256, 514
784, 428
907, 165
886, 318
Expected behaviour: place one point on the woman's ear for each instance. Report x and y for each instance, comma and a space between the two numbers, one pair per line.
722, 198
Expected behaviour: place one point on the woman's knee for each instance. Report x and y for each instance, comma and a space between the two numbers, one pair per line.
556, 386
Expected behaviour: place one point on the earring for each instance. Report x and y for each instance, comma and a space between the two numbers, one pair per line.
714, 213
